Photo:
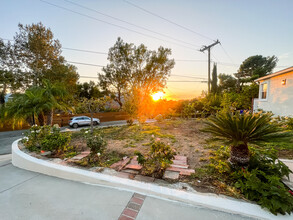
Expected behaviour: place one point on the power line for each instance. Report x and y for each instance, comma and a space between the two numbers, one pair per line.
86, 51
90, 64
177, 60
87, 64
226, 53
119, 26
191, 60
208, 48
194, 77
165, 19
126, 22
69, 48
95, 77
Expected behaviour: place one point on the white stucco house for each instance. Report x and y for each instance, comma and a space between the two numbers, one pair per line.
276, 93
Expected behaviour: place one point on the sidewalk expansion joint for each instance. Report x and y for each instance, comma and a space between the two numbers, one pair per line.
133, 207
20, 183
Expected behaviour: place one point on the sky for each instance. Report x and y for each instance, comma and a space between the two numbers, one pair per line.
244, 28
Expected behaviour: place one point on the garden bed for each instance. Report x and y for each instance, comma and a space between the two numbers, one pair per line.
128, 143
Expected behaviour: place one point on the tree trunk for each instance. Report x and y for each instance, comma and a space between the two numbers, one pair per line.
50, 117
33, 117
118, 99
240, 155
92, 125
41, 119
3, 93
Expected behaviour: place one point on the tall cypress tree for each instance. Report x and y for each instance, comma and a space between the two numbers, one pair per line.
214, 83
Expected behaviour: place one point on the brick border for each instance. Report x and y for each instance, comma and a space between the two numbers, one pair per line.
133, 207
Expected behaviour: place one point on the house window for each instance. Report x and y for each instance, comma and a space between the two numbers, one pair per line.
264, 90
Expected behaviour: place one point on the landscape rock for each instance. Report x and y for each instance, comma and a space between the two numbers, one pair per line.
120, 164
46, 153
147, 179
171, 175
134, 165
80, 156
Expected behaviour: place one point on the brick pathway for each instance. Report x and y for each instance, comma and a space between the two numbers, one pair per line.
133, 207
130, 169
80, 156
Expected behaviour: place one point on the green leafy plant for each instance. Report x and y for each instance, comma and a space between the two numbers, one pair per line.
239, 130
265, 189
157, 160
289, 123
260, 181
96, 143
46, 138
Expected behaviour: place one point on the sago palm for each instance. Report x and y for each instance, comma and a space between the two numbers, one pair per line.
239, 130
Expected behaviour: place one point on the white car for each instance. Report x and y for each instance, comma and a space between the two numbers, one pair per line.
77, 121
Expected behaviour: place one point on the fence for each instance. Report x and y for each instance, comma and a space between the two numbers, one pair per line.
62, 120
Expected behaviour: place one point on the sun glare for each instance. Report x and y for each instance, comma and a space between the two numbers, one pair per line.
157, 96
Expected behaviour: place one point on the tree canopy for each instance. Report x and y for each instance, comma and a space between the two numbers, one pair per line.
88, 90
254, 67
214, 83
10, 76
39, 56
135, 67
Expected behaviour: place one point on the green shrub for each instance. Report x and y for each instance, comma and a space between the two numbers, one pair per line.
96, 143
266, 190
159, 118
129, 121
157, 160
289, 123
259, 182
46, 138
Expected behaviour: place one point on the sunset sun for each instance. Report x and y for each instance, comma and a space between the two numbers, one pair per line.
157, 96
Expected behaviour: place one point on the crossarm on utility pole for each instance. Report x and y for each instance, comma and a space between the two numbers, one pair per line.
209, 61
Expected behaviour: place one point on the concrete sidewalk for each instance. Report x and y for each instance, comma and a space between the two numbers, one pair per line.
29, 195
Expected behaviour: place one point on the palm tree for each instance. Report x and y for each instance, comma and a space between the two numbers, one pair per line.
53, 97
24, 106
239, 130
36, 102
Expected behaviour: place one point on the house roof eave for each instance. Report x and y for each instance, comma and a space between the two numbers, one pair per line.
287, 70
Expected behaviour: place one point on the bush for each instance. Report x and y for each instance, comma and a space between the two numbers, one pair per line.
260, 181
266, 190
96, 143
130, 122
289, 123
159, 118
46, 138
157, 160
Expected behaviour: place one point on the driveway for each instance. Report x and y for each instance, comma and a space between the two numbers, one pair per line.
30, 195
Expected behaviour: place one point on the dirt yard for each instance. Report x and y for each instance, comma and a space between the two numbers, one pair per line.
183, 135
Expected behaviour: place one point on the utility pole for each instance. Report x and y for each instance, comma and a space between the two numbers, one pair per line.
209, 61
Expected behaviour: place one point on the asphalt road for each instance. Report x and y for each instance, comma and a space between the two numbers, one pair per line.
29, 195
7, 138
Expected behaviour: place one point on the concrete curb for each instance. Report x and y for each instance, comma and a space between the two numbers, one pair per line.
27, 162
